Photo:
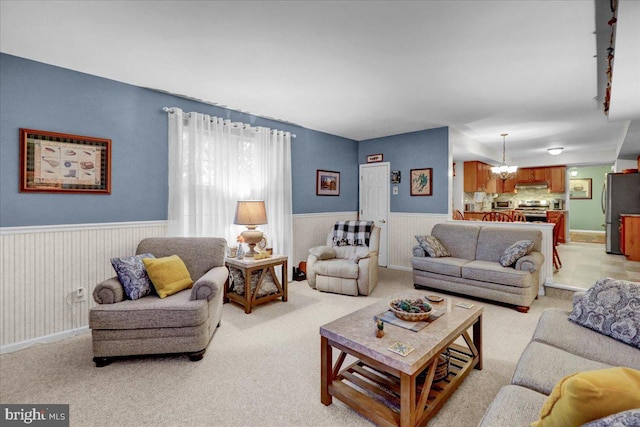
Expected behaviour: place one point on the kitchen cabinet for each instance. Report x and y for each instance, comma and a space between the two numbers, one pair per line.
630, 236
507, 186
557, 179
529, 175
478, 177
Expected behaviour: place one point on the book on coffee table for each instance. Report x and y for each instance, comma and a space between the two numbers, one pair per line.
389, 317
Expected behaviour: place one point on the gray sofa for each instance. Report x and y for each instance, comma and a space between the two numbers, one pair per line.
473, 268
558, 348
180, 323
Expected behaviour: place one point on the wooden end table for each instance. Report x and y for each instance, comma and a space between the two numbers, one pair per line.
412, 399
249, 266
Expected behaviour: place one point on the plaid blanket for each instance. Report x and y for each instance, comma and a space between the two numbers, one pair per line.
352, 233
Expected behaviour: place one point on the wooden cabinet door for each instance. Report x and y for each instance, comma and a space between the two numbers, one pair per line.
524, 175
539, 175
471, 177
478, 177
508, 185
557, 176
621, 229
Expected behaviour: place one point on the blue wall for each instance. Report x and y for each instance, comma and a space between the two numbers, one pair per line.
415, 150
49, 98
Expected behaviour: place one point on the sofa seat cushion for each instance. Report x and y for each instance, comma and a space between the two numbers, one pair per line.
343, 268
448, 266
541, 366
513, 406
488, 271
151, 312
555, 328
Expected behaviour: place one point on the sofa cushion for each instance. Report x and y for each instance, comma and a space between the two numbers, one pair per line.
541, 366
515, 252
486, 271
621, 419
587, 396
554, 328
323, 252
459, 239
133, 275
513, 406
448, 266
150, 312
343, 268
168, 275
494, 240
611, 308
432, 246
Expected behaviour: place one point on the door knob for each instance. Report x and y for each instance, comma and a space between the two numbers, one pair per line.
383, 221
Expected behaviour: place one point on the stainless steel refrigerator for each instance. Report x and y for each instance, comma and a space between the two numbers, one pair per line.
621, 196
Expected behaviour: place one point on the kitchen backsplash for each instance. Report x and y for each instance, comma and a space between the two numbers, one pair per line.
521, 195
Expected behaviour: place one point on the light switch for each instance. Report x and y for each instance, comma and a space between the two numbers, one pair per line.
395, 190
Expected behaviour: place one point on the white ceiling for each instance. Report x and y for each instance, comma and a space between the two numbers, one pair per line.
355, 69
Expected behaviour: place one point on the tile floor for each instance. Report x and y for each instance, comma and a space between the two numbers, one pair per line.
584, 263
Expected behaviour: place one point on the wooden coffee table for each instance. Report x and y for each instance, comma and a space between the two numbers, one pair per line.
401, 398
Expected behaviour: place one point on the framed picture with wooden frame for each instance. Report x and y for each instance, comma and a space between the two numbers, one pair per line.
421, 182
327, 183
53, 162
580, 188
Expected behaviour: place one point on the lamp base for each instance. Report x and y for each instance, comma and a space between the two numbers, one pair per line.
251, 238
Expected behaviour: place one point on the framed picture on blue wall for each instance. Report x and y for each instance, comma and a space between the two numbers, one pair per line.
421, 182
56, 162
327, 183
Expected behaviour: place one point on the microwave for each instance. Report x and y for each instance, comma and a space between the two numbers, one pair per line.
508, 204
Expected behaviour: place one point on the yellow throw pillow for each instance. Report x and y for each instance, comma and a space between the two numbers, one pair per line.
587, 396
169, 275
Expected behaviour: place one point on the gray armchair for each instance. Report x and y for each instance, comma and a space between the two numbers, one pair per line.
180, 323
347, 270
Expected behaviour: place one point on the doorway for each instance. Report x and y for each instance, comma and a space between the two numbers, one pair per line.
374, 202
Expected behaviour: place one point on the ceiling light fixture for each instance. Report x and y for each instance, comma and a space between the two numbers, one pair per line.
504, 171
555, 151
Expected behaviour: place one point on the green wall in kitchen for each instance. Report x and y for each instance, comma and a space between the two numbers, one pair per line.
586, 214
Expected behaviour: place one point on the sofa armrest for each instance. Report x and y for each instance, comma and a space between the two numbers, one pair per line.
109, 292
363, 253
311, 272
210, 284
531, 262
418, 251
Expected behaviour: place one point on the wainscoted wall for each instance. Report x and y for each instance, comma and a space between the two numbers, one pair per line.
311, 230
42, 266
403, 227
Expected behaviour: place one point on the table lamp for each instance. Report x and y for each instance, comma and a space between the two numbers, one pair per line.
251, 213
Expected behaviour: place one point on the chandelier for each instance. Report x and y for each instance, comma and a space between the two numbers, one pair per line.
504, 171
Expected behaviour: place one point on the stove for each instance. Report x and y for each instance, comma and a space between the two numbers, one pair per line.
534, 210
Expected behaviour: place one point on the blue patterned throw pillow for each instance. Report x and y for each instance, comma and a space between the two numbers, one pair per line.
432, 246
611, 307
628, 418
515, 252
133, 275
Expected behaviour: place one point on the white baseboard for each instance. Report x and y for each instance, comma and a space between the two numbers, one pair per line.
10, 348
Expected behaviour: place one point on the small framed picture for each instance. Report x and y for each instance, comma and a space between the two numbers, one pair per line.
395, 177
327, 183
374, 158
53, 162
421, 182
580, 188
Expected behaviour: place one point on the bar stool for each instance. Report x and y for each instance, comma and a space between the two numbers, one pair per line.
558, 221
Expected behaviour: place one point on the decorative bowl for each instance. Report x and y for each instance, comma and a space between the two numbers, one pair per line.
411, 309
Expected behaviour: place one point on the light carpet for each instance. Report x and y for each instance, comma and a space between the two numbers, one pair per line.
261, 369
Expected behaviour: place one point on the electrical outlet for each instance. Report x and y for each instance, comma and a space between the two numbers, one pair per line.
80, 295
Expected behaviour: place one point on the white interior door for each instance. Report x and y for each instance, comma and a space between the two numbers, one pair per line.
374, 202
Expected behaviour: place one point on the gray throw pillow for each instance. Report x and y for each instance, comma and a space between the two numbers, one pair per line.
432, 246
621, 419
133, 275
323, 252
515, 252
611, 308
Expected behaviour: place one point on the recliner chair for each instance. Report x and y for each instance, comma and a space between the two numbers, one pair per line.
347, 270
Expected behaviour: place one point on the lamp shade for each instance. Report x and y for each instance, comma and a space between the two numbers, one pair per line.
250, 212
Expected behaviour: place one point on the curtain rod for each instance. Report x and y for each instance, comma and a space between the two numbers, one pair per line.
235, 124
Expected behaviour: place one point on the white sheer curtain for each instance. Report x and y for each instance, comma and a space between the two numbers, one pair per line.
213, 163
